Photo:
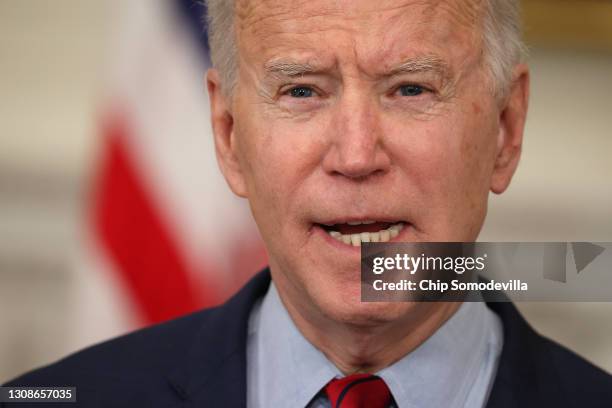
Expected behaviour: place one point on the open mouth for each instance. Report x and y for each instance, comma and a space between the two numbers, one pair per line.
355, 232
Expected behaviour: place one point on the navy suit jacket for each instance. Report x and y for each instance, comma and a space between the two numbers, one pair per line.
200, 361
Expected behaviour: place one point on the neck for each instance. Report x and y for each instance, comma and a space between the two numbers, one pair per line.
355, 348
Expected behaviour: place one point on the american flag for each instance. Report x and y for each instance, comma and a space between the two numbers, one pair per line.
166, 235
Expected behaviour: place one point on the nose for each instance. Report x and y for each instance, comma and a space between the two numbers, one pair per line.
357, 150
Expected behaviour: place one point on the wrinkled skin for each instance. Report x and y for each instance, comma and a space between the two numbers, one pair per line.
362, 110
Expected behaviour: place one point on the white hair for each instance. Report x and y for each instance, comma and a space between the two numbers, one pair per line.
503, 45
502, 42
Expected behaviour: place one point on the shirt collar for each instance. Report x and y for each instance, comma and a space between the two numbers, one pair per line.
445, 368
290, 371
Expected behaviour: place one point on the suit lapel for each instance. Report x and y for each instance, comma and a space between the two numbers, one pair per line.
526, 376
213, 372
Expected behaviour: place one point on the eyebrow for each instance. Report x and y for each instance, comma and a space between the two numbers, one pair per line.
288, 68
428, 63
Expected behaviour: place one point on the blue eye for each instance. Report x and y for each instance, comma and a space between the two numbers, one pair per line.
301, 92
411, 90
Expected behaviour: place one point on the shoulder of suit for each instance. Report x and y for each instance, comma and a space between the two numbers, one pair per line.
138, 366
580, 379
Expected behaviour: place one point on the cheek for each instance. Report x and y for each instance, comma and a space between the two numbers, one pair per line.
447, 162
425, 152
471, 168
477, 150
280, 157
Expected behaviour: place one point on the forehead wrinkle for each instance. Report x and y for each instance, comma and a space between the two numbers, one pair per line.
466, 13
397, 15
254, 12
412, 17
263, 34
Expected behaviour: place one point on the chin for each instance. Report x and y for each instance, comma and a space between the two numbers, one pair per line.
349, 309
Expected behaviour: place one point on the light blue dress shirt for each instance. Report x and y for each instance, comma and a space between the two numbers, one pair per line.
455, 367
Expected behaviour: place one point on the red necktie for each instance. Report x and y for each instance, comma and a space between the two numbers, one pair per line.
358, 391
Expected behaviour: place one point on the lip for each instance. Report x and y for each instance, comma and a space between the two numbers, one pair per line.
353, 250
359, 219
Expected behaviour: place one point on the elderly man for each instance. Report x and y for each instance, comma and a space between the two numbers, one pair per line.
345, 122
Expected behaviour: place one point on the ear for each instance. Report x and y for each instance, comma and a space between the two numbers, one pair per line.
223, 131
511, 125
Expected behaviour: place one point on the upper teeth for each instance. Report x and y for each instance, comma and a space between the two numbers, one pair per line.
379, 236
360, 222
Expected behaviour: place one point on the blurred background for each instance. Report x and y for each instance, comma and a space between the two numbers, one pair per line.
113, 214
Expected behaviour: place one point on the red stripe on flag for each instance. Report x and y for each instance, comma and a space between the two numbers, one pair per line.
138, 241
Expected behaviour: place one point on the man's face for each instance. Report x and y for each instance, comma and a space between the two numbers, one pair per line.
359, 111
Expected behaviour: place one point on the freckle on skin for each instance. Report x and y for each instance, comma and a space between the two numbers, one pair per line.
476, 107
